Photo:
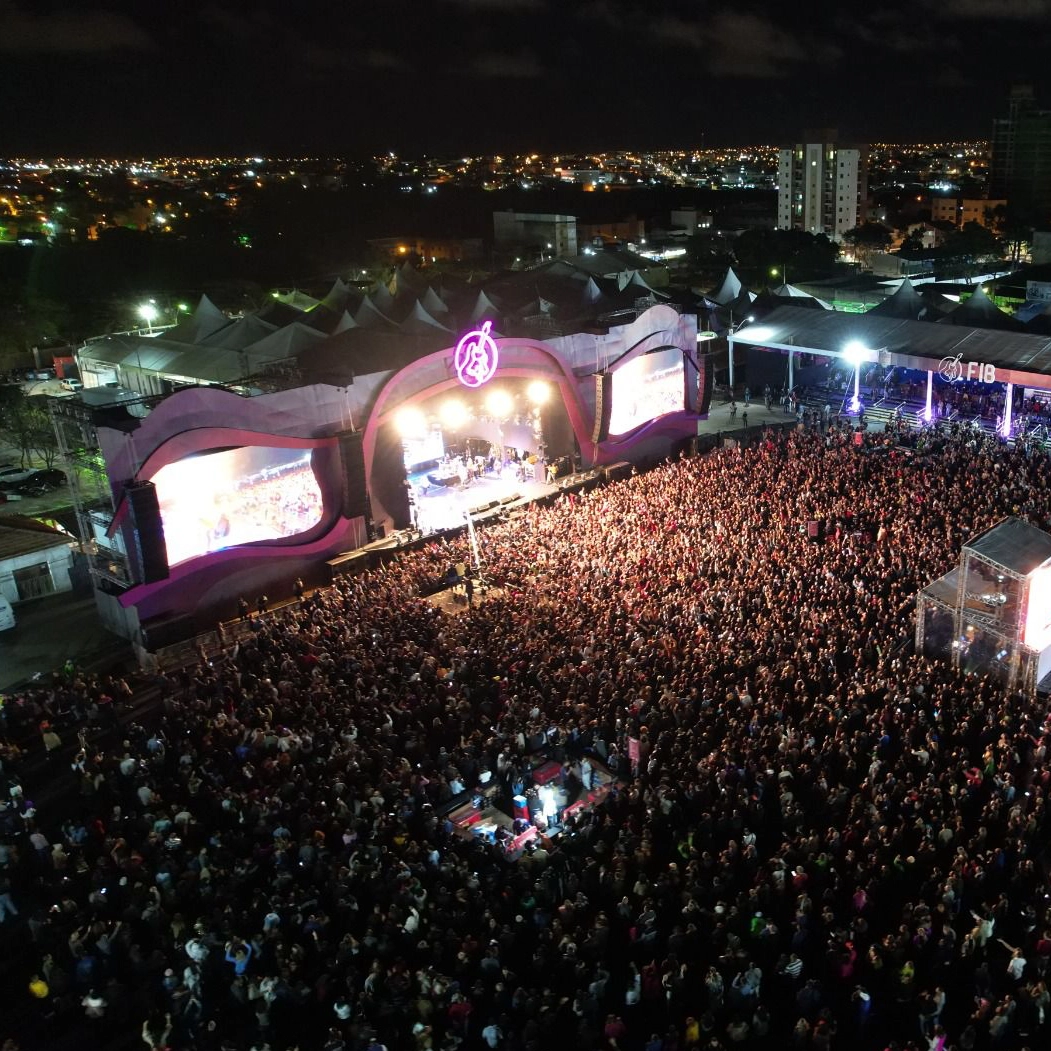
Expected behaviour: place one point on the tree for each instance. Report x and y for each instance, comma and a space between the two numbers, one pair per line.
869, 235
973, 245
25, 424
867, 238
913, 241
1014, 224
799, 253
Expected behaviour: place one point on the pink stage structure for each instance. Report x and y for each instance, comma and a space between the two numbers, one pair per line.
240, 454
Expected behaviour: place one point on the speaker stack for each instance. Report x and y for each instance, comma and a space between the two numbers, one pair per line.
148, 549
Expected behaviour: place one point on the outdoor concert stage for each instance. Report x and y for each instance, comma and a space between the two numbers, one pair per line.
445, 507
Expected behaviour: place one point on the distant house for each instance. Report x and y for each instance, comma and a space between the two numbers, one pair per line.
35, 558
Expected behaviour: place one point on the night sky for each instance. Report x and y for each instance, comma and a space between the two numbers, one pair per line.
459, 76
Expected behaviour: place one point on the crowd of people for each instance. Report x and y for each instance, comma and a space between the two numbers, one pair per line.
816, 838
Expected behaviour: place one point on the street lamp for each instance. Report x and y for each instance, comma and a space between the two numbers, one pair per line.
148, 313
730, 342
854, 353
782, 273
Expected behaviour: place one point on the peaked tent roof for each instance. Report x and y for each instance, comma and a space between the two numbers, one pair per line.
431, 300
1040, 324
205, 321
368, 316
336, 297
787, 291
408, 280
242, 333
279, 313
591, 292
484, 308
382, 300
346, 322
285, 342
637, 281
981, 312
729, 289
905, 303
418, 320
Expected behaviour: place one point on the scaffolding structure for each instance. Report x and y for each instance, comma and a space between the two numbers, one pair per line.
991, 614
75, 425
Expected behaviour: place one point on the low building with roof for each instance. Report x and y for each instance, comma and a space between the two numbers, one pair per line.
35, 558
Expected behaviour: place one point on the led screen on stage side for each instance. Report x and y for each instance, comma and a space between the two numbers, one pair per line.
1037, 634
647, 387
237, 496
423, 449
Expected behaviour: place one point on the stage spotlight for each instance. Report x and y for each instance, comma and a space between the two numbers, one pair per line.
453, 414
538, 392
411, 422
499, 404
855, 353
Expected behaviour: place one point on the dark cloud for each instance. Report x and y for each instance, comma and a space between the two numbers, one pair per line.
498, 5
992, 10
381, 59
496, 66
743, 44
69, 32
564, 74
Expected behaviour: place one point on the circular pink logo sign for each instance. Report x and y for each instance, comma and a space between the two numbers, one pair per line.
476, 357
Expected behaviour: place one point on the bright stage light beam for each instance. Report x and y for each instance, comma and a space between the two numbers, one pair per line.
499, 404
538, 392
410, 422
854, 353
453, 414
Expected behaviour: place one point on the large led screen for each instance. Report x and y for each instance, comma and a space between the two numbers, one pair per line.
236, 496
1037, 633
646, 387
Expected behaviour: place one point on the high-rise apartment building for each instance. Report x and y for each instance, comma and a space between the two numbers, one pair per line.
821, 185
1021, 156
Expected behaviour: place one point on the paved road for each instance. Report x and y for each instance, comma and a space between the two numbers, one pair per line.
52, 630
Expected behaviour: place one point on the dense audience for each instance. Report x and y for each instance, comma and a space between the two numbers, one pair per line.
816, 838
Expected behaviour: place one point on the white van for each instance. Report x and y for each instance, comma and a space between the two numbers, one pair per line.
7, 614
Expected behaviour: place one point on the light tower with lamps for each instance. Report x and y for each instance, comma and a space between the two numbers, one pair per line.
854, 353
730, 342
148, 313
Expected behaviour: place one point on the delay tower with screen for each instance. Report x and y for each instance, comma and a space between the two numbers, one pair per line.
991, 615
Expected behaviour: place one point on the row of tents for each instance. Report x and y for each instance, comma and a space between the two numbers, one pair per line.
731, 302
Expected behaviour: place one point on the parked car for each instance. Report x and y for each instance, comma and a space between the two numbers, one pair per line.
11, 475
72, 385
50, 477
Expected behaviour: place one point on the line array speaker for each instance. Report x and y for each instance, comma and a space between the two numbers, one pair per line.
149, 551
355, 493
706, 379
603, 382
